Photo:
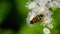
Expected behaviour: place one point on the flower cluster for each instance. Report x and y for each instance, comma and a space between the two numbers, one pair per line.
42, 7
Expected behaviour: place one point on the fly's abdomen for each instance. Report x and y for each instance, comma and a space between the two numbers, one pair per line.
36, 19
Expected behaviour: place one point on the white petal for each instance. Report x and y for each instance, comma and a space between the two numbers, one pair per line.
31, 5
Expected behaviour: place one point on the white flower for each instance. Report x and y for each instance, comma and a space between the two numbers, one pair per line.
42, 7
31, 5
42, 2
54, 3
40, 10
46, 31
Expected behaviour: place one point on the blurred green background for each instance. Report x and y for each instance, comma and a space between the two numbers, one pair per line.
13, 15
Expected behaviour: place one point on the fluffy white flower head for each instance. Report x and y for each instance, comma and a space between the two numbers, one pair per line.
46, 31
41, 7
